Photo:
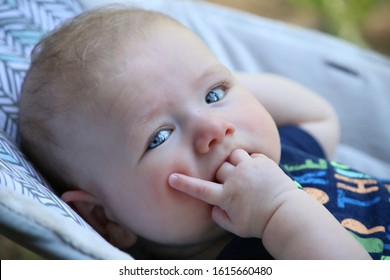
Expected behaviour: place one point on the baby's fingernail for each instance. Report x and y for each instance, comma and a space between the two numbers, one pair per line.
173, 179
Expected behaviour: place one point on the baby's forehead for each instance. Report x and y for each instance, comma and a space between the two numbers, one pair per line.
129, 69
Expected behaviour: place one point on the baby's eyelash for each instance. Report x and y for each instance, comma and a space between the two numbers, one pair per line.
225, 84
158, 138
217, 92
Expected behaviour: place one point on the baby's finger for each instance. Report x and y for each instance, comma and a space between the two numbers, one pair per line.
224, 171
201, 189
256, 155
237, 156
221, 218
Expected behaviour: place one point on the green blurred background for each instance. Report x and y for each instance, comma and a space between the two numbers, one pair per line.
362, 22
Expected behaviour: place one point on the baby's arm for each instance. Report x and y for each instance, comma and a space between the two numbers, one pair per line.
256, 199
291, 103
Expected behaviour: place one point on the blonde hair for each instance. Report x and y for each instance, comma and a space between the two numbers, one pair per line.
64, 74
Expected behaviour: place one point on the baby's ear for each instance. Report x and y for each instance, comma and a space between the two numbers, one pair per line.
93, 212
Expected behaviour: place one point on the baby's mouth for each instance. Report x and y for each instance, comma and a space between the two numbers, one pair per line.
225, 159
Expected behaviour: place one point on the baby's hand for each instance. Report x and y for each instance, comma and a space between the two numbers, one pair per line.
251, 189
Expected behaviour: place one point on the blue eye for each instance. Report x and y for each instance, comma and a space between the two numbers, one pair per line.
215, 95
159, 138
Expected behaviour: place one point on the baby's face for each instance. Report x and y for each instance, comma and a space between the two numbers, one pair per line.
181, 111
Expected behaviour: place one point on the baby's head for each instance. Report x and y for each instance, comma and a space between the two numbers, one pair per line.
73, 71
119, 99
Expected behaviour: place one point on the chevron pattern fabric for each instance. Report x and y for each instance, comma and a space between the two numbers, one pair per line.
16, 173
22, 23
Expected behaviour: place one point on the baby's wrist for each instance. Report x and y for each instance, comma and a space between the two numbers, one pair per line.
287, 197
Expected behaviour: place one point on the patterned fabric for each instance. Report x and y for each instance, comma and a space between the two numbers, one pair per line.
360, 202
16, 173
22, 23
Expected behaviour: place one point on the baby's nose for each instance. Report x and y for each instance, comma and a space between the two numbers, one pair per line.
211, 131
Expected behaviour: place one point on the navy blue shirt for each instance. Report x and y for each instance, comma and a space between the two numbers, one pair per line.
360, 202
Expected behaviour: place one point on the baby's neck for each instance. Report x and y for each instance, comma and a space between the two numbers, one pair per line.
145, 249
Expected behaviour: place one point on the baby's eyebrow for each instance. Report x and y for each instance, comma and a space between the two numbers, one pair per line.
217, 69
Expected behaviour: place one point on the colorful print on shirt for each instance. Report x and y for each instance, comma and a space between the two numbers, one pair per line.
359, 201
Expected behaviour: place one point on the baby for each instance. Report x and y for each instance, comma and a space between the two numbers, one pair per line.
164, 151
